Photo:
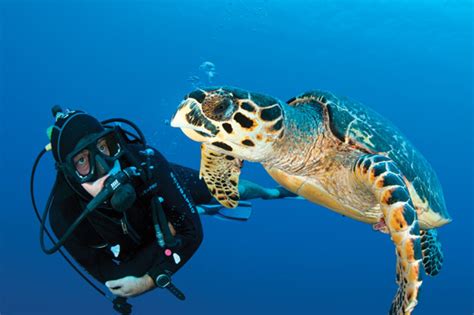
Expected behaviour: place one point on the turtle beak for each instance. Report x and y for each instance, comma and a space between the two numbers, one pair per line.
191, 121
179, 118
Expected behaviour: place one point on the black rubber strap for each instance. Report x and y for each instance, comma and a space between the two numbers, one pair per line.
164, 281
175, 291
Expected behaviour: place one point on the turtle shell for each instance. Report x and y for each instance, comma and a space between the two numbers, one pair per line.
354, 123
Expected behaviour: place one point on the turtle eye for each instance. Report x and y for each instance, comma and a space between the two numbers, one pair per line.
223, 107
219, 107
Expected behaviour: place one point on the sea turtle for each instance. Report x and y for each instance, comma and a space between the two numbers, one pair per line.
332, 151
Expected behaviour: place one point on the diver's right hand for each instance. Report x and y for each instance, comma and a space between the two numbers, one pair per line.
130, 286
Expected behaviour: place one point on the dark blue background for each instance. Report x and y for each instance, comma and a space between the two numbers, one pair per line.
409, 60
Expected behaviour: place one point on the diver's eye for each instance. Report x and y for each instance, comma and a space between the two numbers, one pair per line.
103, 147
81, 163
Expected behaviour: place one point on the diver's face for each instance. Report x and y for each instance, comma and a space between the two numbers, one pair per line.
82, 163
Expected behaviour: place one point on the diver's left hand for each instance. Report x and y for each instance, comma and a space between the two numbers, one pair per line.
130, 286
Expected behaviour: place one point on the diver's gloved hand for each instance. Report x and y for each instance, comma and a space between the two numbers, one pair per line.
130, 286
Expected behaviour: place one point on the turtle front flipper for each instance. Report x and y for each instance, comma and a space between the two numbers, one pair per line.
221, 173
382, 176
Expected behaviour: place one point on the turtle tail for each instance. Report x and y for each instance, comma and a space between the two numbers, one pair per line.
431, 251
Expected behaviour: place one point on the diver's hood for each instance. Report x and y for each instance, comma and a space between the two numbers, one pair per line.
69, 129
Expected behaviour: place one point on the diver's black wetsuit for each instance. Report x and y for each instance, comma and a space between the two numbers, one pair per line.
91, 243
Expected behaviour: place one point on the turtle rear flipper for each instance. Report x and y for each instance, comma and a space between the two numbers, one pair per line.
431, 251
221, 174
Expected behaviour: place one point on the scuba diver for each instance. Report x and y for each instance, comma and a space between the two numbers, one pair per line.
121, 210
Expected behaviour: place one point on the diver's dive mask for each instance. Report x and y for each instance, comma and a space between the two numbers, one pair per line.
94, 156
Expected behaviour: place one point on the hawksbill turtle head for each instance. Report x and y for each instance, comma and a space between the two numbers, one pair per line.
232, 121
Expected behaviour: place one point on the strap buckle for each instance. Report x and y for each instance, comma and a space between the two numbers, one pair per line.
163, 280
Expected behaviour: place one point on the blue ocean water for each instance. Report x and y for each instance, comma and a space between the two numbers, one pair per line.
409, 60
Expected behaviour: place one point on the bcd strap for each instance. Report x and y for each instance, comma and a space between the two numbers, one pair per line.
162, 229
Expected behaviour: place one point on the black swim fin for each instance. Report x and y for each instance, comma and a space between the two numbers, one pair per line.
240, 213
286, 194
